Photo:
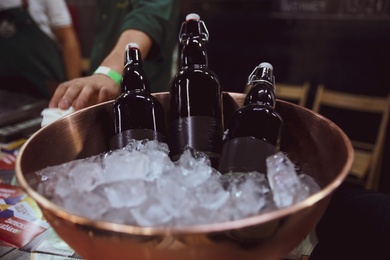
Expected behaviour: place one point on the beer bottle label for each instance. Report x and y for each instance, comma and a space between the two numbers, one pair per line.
201, 133
122, 139
245, 154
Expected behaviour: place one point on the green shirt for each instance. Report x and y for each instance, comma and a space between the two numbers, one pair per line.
159, 19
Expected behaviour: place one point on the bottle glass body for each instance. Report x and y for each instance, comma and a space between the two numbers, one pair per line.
254, 132
137, 114
195, 104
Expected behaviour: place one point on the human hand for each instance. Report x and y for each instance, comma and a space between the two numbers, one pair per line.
83, 92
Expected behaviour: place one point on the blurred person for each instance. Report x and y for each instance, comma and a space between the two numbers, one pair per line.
38, 46
153, 25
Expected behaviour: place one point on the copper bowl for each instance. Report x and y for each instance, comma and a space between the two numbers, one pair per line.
316, 144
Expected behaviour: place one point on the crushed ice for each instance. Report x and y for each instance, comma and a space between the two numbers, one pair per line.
140, 185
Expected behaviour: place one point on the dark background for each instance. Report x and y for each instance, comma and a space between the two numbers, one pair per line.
344, 44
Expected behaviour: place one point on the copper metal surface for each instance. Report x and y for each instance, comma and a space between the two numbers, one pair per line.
317, 146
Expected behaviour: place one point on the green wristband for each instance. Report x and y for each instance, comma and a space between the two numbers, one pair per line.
112, 74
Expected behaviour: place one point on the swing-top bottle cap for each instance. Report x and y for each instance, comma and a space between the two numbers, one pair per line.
193, 26
132, 45
263, 72
266, 65
132, 54
192, 16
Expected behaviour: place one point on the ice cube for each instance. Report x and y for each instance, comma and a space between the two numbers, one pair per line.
126, 193
153, 145
283, 180
159, 163
173, 196
63, 187
247, 193
49, 177
51, 171
309, 184
87, 204
195, 168
86, 176
151, 214
123, 165
211, 194
119, 216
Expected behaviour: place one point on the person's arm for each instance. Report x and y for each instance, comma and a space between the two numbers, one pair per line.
150, 24
70, 50
83, 92
115, 59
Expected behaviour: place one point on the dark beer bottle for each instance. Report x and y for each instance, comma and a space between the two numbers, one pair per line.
254, 131
195, 96
137, 114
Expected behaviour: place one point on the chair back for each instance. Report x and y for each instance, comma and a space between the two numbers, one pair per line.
368, 155
293, 93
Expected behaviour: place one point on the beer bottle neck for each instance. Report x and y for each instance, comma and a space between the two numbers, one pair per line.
194, 53
134, 79
261, 93
133, 57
